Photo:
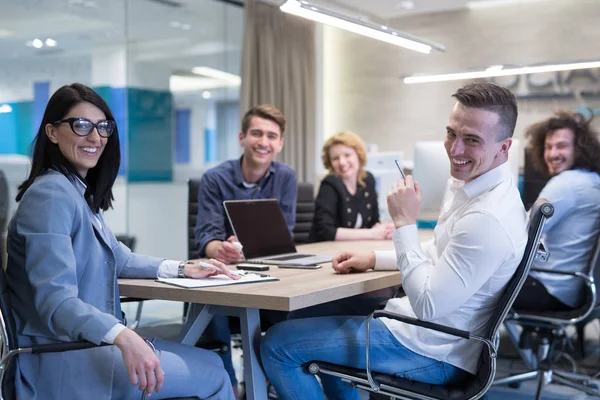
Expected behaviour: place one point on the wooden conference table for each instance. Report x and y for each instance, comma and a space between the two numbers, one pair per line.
295, 289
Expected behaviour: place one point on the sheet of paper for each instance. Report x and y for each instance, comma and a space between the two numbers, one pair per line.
219, 280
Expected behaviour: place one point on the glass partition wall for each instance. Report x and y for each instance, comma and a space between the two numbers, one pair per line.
43, 46
170, 71
183, 79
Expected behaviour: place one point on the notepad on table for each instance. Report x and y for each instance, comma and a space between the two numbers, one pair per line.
218, 280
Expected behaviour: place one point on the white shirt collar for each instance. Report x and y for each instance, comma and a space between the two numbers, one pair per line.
482, 183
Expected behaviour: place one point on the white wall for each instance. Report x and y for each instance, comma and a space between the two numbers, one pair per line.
363, 91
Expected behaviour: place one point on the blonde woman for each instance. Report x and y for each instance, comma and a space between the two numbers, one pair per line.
346, 206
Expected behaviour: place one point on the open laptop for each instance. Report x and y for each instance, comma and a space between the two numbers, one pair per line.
260, 227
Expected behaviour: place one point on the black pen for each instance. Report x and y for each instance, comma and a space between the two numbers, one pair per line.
400, 169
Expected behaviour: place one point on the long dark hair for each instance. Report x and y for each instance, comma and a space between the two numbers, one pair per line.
47, 155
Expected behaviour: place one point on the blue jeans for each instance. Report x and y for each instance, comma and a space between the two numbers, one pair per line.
218, 328
289, 345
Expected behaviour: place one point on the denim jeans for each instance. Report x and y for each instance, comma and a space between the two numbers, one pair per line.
289, 345
218, 328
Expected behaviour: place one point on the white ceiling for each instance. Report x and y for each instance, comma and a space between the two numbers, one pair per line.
214, 37
145, 26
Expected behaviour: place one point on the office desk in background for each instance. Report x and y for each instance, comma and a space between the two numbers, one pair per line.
296, 289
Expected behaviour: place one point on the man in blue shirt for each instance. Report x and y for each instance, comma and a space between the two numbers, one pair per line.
253, 176
565, 148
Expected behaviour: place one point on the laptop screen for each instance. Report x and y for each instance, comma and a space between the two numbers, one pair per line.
260, 227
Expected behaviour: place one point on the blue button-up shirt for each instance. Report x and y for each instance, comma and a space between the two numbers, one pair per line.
571, 233
225, 182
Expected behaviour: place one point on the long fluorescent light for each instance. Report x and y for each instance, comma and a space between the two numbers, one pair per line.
384, 33
217, 74
498, 70
497, 3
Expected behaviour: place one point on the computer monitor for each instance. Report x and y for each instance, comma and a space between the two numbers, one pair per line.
382, 160
385, 180
432, 170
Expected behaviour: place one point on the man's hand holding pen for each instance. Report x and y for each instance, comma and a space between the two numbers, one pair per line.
404, 202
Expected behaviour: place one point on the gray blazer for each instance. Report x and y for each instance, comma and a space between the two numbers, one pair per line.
63, 265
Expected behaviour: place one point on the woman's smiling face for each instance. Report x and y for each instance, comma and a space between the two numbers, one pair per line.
83, 152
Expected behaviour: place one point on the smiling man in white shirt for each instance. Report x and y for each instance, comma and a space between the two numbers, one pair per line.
455, 280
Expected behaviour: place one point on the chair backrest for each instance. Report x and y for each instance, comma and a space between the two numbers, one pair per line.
305, 210
193, 187
594, 268
9, 336
4, 200
540, 212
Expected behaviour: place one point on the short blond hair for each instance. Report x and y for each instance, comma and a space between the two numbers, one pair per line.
352, 140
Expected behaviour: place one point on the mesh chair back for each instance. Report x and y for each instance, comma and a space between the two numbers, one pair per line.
193, 186
305, 210
540, 211
594, 269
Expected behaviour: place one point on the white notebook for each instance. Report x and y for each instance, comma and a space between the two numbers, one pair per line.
218, 280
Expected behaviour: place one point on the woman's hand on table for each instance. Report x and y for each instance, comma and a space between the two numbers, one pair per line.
210, 267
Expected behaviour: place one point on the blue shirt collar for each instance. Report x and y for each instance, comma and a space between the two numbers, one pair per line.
239, 177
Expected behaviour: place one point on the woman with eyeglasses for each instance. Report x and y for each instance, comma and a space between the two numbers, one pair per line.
63, 265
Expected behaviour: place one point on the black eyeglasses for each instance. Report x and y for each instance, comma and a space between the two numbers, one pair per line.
84, 127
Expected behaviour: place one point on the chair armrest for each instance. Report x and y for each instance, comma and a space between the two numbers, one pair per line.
67, 346
132, 299
551, 271
423, 324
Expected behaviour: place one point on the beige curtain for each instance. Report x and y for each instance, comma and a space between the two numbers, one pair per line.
278, 67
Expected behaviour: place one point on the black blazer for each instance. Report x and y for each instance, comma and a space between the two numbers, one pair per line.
336, 208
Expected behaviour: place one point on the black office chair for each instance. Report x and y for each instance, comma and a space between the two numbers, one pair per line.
4, 200
193, 187
550, 330
594, 314
10, 345
305, 210
389, 386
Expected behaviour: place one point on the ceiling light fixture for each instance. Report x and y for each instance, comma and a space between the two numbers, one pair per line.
497, 3
50, 42
5, 108
206, 95
499, 70
307, 10
217, 74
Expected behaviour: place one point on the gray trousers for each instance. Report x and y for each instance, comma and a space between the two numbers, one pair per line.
189, 371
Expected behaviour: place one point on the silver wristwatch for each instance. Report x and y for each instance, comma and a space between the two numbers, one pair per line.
181, 268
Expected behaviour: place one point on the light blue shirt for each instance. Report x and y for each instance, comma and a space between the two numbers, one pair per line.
569, 235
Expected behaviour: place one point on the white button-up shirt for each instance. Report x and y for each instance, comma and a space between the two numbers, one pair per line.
457, 278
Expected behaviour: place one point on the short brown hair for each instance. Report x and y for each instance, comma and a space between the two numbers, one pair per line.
586, 142
490, 97
265, 111
349, 139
